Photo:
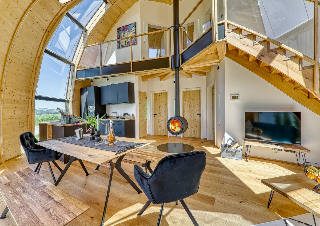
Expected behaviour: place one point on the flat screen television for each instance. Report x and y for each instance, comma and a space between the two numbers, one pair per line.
281, 127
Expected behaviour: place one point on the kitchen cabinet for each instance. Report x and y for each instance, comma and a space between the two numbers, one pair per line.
90, 102
121, 128
126, 92
117, 93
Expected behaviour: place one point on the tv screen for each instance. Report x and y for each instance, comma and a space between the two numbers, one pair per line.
282, 127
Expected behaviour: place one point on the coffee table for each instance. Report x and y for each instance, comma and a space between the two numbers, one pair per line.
96, 156
297, 188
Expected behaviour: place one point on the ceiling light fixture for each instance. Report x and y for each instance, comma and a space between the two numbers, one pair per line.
64, 1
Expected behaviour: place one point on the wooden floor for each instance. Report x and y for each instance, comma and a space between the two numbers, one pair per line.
230, 192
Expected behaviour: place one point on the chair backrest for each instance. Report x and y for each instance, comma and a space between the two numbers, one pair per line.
177, 176
28, 141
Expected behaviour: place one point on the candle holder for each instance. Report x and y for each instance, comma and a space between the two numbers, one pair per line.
97, 136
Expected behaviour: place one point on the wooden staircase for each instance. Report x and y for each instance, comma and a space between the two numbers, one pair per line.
270, 60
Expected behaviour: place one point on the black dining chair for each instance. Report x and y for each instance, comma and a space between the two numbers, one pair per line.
175, 177
38, 154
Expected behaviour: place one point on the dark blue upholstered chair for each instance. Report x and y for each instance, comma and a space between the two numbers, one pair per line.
38, 154
175, 177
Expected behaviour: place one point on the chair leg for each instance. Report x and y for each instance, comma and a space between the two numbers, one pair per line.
38, 170
52, 174
37, 167
144, 207
189, 213
160, 216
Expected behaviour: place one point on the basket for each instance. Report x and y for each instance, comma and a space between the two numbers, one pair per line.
312, 171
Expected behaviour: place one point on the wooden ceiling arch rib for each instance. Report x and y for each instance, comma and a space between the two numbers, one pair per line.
28, 27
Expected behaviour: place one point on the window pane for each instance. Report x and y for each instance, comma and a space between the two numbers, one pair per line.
65, 39
53, 78
46, 111
84, 11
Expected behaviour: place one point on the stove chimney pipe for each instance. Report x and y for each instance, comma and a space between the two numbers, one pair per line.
176, 55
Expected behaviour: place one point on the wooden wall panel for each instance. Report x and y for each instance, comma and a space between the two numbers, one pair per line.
160, 111
76, 97
26, 27
191, 109
142, 114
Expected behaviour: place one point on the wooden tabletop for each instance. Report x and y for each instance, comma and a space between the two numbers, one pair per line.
92, 155
297, 188
282, 146
34, 201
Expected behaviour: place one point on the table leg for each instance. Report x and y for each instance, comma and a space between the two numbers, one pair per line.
270, 198
246, 152
98, 167
83, 167
4, 213
65, 170
108, 192
121, 171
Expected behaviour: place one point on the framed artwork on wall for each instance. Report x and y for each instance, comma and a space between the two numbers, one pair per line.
126, 31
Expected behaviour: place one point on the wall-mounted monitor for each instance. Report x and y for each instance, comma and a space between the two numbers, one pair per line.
282, 127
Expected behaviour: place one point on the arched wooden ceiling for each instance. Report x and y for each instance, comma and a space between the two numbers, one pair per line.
26, 29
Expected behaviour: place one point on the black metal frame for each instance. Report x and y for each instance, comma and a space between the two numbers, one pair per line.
4, 213
116, 165
38, 167
161, 211
63, 172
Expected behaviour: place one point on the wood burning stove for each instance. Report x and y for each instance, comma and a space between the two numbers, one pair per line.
177, 125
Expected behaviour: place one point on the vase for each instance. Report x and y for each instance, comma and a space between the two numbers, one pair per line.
97, 136
92, 137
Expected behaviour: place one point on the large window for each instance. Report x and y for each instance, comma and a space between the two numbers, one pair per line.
53, 78
56, 68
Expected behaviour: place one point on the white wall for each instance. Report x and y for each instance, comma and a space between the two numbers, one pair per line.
220, 107
132, 15
156, 86
258, 95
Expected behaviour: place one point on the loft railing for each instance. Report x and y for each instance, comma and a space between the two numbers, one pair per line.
155, 44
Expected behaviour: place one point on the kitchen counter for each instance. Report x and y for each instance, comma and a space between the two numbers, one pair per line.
57, 123
118, 119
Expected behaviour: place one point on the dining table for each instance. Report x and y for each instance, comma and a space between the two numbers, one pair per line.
94, 155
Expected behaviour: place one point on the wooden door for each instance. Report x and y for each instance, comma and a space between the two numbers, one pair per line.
160, 113
192, 113
142, 114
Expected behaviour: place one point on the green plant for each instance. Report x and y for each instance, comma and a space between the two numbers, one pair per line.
92, 121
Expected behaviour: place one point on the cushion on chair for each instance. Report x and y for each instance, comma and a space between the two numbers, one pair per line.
174, 178
34, 152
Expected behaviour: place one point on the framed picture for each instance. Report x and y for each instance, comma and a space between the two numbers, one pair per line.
126, 31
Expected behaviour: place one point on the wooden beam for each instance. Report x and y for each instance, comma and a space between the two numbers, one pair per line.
251, 58
197, 68
166, 76
186, 73
200, 73
152, 76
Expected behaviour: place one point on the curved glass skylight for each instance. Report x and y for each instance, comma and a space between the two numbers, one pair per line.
65, 39
84, 11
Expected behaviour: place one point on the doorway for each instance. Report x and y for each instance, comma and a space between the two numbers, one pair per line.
142, 114
192, 112
160, 113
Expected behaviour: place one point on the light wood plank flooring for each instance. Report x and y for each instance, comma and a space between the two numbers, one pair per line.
230, 191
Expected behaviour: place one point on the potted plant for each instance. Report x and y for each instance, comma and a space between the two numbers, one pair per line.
94, 124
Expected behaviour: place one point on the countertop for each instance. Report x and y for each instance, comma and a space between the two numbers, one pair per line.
118, 119
57, 123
